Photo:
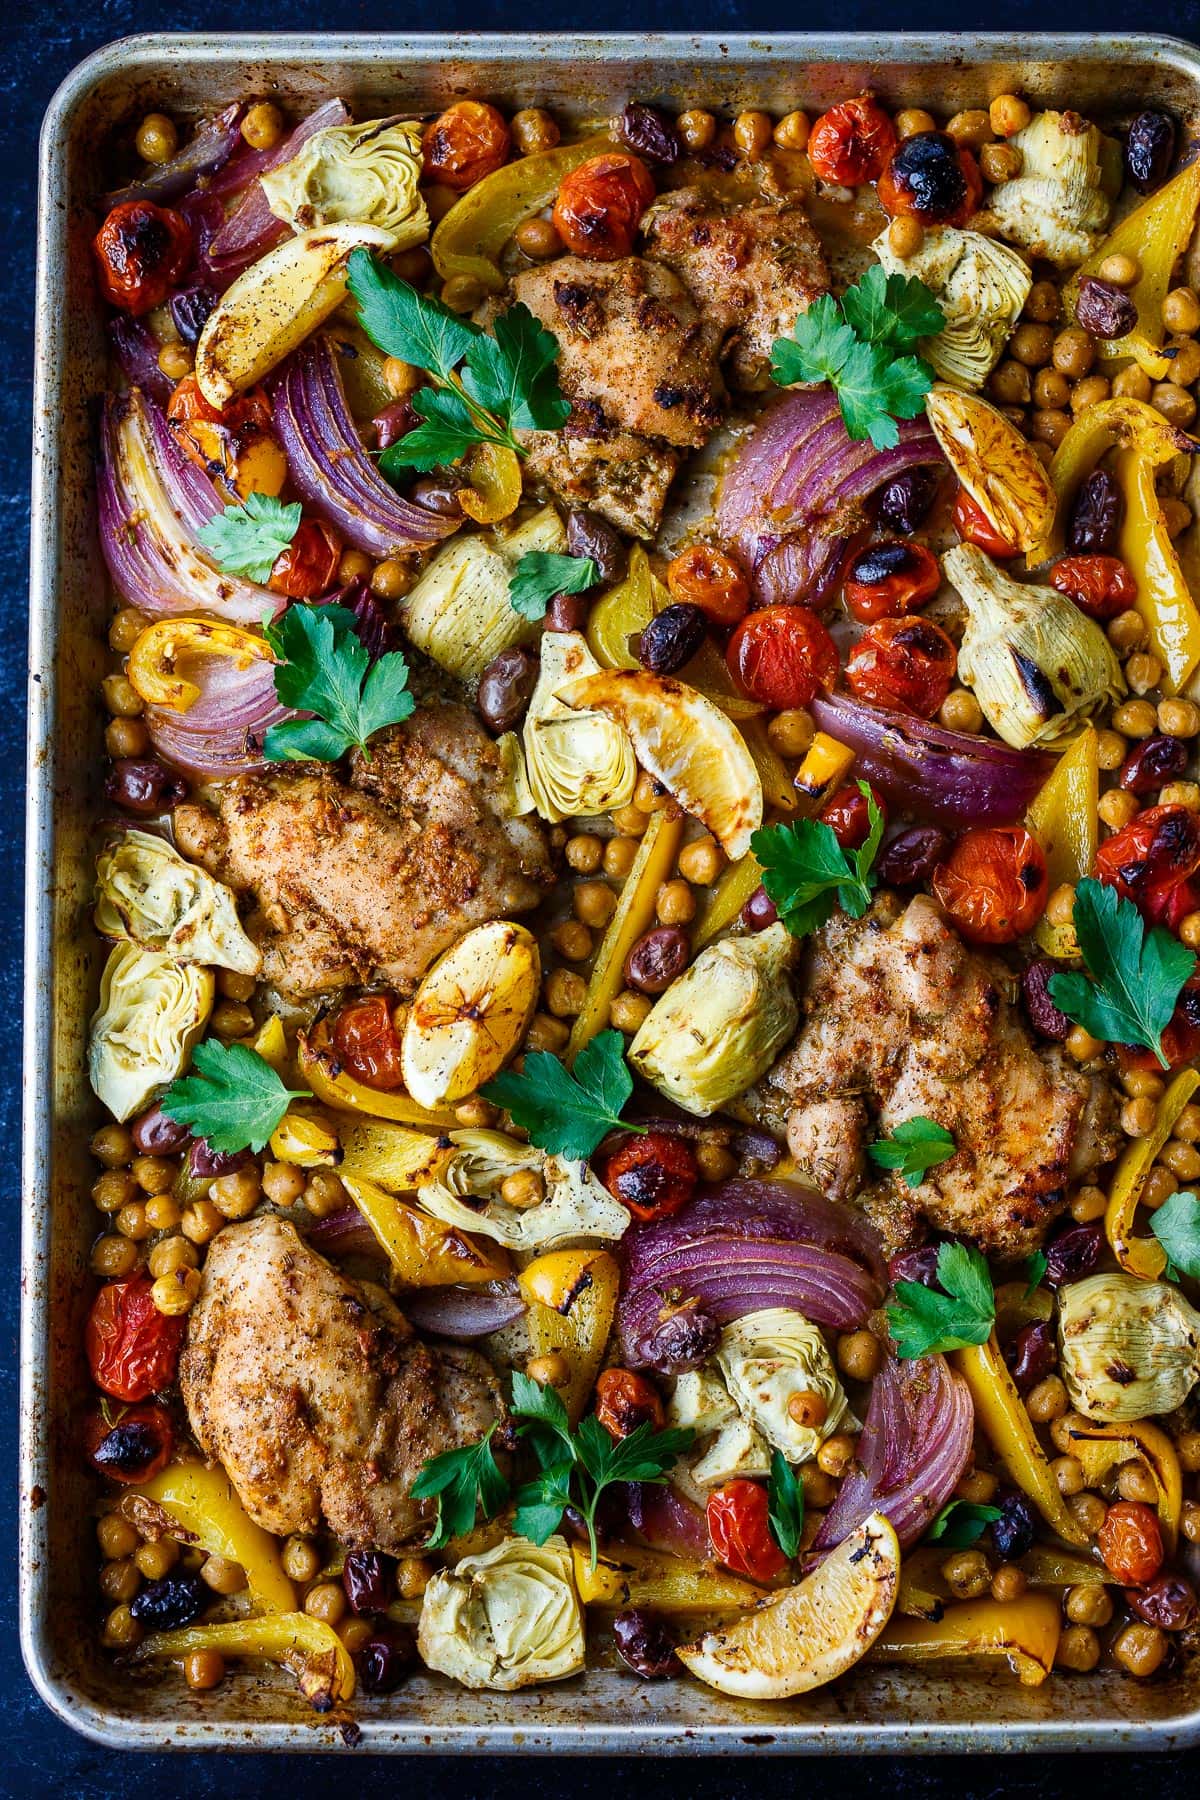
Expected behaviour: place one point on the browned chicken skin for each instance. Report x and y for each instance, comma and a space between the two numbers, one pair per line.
315, 1396
904, 1020
370, 875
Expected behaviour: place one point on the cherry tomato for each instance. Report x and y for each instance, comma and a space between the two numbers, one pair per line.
850, 143
367, 1043
1150, 860
781, 655
308, 567
624, 1401
932, 178
906, 663
974, 527
132, 1348
1130, 1542
652, 1175
233, 444
710, 579
1100, 586
142, 250
993, 884
847, 815
131, 1444
890, 578
599, 205
1180, 1038
739, 1531
465, 143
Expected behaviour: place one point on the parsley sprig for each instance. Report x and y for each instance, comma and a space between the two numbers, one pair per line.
923, 1319
488, 387
568, 1112
540, 574
785, 1504
1134, 976
246, 539
233, 1100
324, 668
1176, 1225
917, 1145
856, 345
461, 1482
960, 1523
807, 873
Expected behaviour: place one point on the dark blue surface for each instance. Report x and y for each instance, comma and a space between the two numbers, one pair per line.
39, 1755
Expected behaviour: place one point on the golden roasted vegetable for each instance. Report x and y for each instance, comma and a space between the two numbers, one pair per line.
423, 1251
152, 1011
1023, 1631
628, 1575
458, 611
735, 884
470, 1012
270, 1042
306, 1138
825, 766
1056, 208
994, 463
366, 173
617, 620
319, 1066
1101, 1448
312, 1650
1143, 1256
722, 1023
396, 1157
572, 1300
1127, 1347
578, 762
152, 664
505, 1620
465, 1190
493, 483
634, 914
1063, 816
148, 894
1000, 1412
470, 238
980, 285
767, 1359
200, 1500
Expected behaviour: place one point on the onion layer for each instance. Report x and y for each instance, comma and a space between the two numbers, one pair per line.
211, 147
252, 228
222, 732
463, 1313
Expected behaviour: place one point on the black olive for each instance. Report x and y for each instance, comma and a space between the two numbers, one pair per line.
1168, 1602
386, 1658
1104, 309
1032, 1354
912, 856
907, 498
144, 786
590, 535
650, 132
672, 638
879, 562
1074, 1253
127, 1449
759, 911
1044, 1016
203, 1161
644, 1643
684, 1339
1152, 763
1096, 516
1149, 150
367, 1576
1014, 1531
567, 612
190, 308
438, 493
173, 1601
505, 688
918, 1265
657, 958
156, 1135
926, 169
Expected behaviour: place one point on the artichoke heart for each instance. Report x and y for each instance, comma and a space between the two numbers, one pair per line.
980, 285
721, 1025
466, 1193
459, 612
366, 173
578, 762
1056, 207
148, 893
152, 1010
769, 1357
506, 1619
1128, 1348
1039, 666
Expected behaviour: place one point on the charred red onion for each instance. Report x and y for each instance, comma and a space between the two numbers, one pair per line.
462, 1313
252, 228
222, 732
661, 1515
210, 149
136, 349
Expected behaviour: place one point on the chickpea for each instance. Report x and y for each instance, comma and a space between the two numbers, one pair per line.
1089, 1510
116, 1537
676, 903
1116, 808
1051, 391
203, 1669
650, 796
906, 235
236, 1195
153, 1174
961, 711
132, 1223
967, 1574
1032, 344
550, 1370
391, 579
1139, 1082
174, 1295
114, 1256
121, 697
172, 1255
978, 1486
791, 732
354, 565
1189, 1522
155, 1560
1180, 793
619, 853
1181, 310
477, 1114
1088, 393
120, 1581
595, 902
1088, 1604
1183, 1160
1138, 1117
1187, 1125
583, 853
701, 861
121, 1630
413, 1575
1068, 1473
1046, 1401
1078, 1650
809, 1410
533, 130
912, 121
157, 139
1185, 368
301, 1559
1126, 630
1143, 672
1010, 384
176, 360
523, 1188
1177, 515
792, 131
1141, 1649
262, 126
565, 993
1082, 1046
283, 1182
1110, 749
112, 1145
859, 1354
1060, 908
1042, 303
235, 986
836, 1454
113, 1190
231, 1019
1176, 406
713, 1161
1061, 1430
630, 820
1050, 427
1008, 1583
1121, 269
1132, 383
326, 1602
1008, 114
1073, 352
538, 239
1088, 1204
546, 1033
697, 128
819, 1488
629, 1011
1179, 718
752, 132
200, 1223
1157, 1188
572, 940
1135, 1482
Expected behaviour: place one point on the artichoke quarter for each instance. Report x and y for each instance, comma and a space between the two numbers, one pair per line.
980, 285
367, 173
1128, 1348
1056, 208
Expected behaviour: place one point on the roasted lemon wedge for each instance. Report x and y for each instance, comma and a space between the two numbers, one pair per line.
470, 1013
995, 464
810, 1633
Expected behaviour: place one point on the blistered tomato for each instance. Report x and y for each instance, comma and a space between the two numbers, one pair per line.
1130, 1542
599, 205
1150, 859
992, 886
233, 444
1100, 586
850, 143
653, 1175
740, 1533
132, 1444
367, 1043
624, 1401
142, 250
974, 527
308, 567
890, 578
710, 579
132, 1348
932, 178
465, 143
848, 816
781, 655
907, 664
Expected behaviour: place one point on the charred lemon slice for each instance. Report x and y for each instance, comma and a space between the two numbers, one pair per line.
686, 742
810, 1633
470, 1013
995, 464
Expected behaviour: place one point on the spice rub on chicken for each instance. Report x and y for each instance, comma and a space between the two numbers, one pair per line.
370, 871
903, 1020
315, 1395
750, 269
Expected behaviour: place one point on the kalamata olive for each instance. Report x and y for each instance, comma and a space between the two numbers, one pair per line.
644, 1643
1168, 1602
1154, 761
1104, 309
907, 498
143, 785
567, 612
386, 1658
672, 638
172, 1601
1150, 150
203, 1161
190, 308
156, 1135
395, 422
650, 132
759, 911
128, 1448
1032, 1354
1097, 515
1044, 1016
657, 958
369, 1581
684, 1339
1074, 1253
918, 1265
1014, 1531
438, 493
505, 688
912, 856
590, 535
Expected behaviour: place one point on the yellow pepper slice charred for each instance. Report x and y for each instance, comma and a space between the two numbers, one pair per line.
494, 477
826, 764
735, 884
651, 866
303, 1137
1024, 1631
628, 1575
319, 1066
311, 1649
1120, 422
1143, 1256
471, 237
1063, 815
422, 1250
620, 616
572, 1300
1101, 1448
1009, 1429
270, 1042
202, 1502
153, 661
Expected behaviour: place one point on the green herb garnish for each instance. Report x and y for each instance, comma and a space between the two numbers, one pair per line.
923, 1320
1036, 1265
785, 1505
1176, 1225
915, 1146
1134, 976
325, 669
807, 873
233, 1100
461, 1481
246, 539
541, 574
961, 1523
568, 1112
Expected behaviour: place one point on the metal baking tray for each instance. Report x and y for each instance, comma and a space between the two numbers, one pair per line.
881, 1710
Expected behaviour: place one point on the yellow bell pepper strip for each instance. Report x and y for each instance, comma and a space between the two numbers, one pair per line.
1044, 1566
311, 1649
1100, 1448
826, 765
620, 616
201, 1500
303, 1137
494, 476
471, 237
1009, 1430
777, 788
270, 1042
735, 884
1163, 601
152, 666
651, 866
395, 1156
1156, 234
923, 1593
318, 1063
709, 674
1143, 1256
423, 1251
572, 1300
1025, 1631
1121, 422
628, 1575
1063, 816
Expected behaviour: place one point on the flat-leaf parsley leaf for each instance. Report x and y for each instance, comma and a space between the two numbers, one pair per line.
540, 574
915, 1146
461, 1481
1176, 1225
324, 668
233, 1099
246, 539
1134, 976
806, 872
924, 1319
568, 1112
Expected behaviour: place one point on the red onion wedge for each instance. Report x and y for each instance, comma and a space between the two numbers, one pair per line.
343, 1233
463, 1313
913, 1452
209, 150
952, 777
667, 1521
136, 349
152, 503
331, 470
252, 228
221, 733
